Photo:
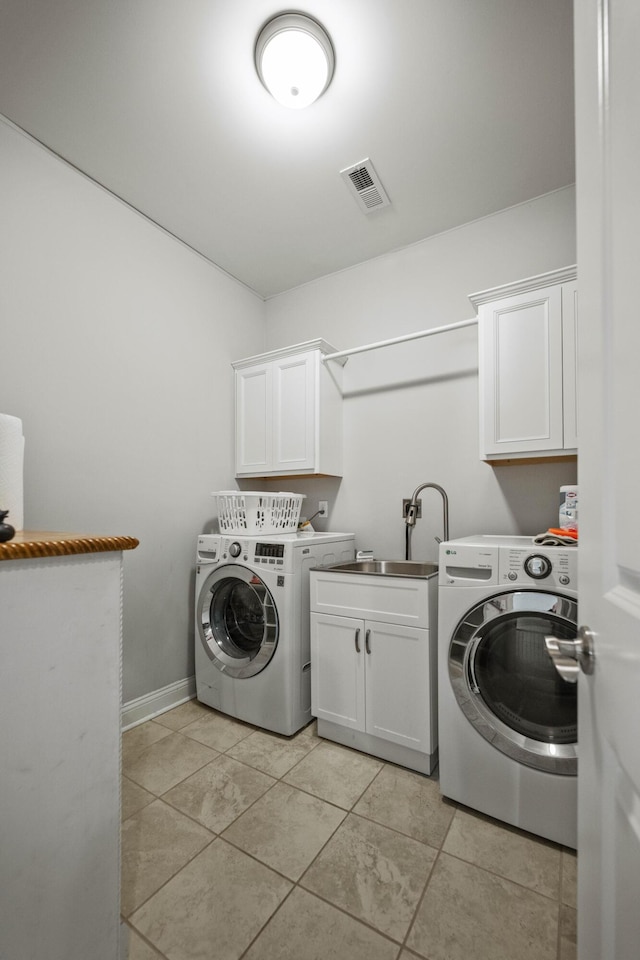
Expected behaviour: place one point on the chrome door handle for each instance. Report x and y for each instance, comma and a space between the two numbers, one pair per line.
357, 638
571, 656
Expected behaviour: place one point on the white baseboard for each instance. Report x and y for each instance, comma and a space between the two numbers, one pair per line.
158, 701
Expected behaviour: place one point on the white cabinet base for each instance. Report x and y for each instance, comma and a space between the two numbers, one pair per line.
60, 757
373, 664
376, 747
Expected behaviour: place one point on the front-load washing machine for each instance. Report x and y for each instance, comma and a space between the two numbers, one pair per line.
507, 720
252, 646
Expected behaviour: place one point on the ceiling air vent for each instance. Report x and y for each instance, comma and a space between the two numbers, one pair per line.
364, 184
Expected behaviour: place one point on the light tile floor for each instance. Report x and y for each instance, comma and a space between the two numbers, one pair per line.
238, 843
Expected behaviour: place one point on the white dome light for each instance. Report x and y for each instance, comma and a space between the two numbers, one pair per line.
294, 59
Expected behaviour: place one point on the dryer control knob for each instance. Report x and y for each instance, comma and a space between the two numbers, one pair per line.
235, 549
537, 566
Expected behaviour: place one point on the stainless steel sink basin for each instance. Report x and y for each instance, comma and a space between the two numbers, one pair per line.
387, 568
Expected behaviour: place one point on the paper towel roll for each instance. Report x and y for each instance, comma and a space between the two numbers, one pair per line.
11, 469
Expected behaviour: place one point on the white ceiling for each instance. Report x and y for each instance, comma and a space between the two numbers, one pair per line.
464, 106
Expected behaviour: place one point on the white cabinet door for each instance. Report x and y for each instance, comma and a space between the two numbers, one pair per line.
398, 684
337, 670
254, 411
294, 413
521, 392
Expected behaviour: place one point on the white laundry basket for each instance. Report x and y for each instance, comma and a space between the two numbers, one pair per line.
255, 512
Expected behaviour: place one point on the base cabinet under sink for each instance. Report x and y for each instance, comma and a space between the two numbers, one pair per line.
373, 683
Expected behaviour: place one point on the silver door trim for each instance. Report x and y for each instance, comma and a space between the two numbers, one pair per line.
560, 758
238, 667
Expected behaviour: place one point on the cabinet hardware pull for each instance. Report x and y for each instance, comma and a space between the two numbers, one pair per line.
357, 638
367, 644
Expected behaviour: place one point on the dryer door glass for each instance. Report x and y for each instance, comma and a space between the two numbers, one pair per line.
506, 684
518, 681
237, 621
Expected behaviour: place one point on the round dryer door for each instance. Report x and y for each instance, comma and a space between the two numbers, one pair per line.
506, 684
237, 621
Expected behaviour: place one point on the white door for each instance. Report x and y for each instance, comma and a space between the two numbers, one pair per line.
398, 684
521, 344
608, 198
254, 410
294, 413
337, 670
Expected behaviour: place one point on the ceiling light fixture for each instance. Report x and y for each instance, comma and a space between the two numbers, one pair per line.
294, 59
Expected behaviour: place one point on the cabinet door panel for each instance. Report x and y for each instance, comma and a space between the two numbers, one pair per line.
294, 413
337, 670
522, 372
253, 419
398, 685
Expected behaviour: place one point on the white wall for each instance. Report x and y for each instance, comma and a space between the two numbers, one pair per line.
116, 343
411, 411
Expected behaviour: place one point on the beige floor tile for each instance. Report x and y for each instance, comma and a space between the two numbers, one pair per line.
214, 907
306, 928
137, 739
569, 878
272, 753
568, 933
156, 843
506, 851
311, 730
285, 829
180, 716
217, 731
373, 873
334, 773
218, 793
470, 913
134, 798
139, 950
409, 803
167, 762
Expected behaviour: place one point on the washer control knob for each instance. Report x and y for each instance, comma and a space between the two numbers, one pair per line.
564, 579
235, 549
537, 566
512, 575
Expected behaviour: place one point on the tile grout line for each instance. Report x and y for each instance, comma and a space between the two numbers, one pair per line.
168, 880
426, 886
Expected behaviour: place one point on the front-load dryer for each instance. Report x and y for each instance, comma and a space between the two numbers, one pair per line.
252, 645
507, 720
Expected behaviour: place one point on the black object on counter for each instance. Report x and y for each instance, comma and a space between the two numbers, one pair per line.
6, 530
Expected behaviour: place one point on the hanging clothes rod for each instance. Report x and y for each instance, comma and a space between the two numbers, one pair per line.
408, 336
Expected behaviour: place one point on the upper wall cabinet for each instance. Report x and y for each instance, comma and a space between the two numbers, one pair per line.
289, 413
527, 337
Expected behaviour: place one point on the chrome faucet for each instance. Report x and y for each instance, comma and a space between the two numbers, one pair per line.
412, 514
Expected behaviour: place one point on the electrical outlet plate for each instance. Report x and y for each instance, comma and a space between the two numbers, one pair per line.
323, 507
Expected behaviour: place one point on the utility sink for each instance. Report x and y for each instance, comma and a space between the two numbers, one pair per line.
387, 568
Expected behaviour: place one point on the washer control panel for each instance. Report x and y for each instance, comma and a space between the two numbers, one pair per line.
507, 561
539, 566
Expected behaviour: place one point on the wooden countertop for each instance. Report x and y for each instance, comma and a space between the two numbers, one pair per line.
30, 544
